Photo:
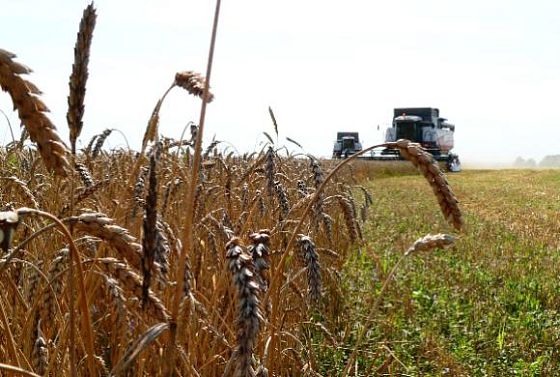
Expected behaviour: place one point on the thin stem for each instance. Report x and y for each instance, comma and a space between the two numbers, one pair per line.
187, 235
11, 342
85, 315
124, 137
140, 159
9, 125
141, 156
23, 372
189, 124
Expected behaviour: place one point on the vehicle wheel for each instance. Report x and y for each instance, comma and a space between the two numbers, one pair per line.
453, 163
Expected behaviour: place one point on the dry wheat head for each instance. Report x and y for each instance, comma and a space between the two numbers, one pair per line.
31, 111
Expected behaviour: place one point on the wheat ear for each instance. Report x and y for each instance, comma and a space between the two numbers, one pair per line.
430, 242
349, 217
150, 235
193, 83
425, 162
152, 129
47, 305
84, 194
99, 141
270, 171
24, 188
318, 213
260, 251
85, 174
79, 76
40, 353
308, 253
98, 225
31, 111
248, 313
132, 282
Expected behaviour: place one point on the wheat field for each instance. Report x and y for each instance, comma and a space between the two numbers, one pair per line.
178, 259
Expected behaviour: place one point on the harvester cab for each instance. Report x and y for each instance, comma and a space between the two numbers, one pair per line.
423, 125
346, 144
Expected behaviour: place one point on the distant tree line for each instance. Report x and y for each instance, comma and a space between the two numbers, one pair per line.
551, 161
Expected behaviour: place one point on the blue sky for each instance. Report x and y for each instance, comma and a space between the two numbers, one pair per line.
492, 67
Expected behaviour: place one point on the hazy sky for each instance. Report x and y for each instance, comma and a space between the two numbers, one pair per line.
492, 67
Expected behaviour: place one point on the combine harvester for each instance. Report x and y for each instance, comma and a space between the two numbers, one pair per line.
424, 126
346, 144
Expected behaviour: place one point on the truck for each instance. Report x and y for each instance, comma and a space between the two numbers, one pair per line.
346, 144
425, 126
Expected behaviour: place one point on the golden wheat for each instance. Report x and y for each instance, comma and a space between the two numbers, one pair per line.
241, 312
193, 83
248, 316
132, 282
431, 171
430, 242
79, 76
32, 111
99, 225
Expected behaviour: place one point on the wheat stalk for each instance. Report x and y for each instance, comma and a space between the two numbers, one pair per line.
426, 243
80, 277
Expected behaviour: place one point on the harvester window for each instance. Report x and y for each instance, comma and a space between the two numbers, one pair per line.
348, 144
407, 130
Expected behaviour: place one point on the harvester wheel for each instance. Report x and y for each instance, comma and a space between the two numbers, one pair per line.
453, 163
